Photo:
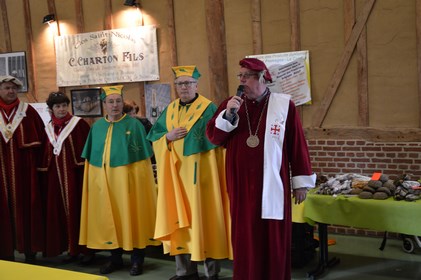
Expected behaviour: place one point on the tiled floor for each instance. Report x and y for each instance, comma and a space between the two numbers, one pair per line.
360, 259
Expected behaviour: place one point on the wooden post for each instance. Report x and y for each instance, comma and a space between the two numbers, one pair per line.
215, 27
172, 39
362, 67
31, 95
418, 29
256, 22
6, 27
294, 13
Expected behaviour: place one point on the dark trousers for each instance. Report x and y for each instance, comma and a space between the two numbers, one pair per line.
137, 256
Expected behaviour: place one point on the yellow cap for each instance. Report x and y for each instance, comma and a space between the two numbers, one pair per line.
190, 70
111, 90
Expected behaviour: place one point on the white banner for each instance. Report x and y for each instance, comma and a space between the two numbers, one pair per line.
109, 56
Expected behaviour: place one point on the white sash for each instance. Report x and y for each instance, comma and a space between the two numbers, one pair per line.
7, 130
58, 142
273, 189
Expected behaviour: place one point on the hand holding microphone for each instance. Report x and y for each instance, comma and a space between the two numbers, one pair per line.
240, 91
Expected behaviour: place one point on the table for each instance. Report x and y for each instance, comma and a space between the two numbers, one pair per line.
22, 271
381, 215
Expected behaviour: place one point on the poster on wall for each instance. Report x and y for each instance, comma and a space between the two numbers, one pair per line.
290, 73
14, 64
157, 98
43, 111
109, 56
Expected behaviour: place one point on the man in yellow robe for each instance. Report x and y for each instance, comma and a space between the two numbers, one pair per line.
119, 195
192, 214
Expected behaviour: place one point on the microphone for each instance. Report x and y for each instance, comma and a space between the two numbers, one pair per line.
240, 91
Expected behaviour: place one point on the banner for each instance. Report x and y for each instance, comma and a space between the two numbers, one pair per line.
109, 56
290, 73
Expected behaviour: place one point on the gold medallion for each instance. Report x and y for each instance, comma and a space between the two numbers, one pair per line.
252, 141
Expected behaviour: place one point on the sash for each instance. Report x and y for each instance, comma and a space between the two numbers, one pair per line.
57, 143
7, 130
273, 189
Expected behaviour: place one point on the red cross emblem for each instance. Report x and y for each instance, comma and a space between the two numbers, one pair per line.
275, 129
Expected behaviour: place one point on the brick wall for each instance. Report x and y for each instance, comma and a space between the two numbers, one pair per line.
332, 157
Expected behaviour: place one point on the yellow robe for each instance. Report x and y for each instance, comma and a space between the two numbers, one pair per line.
193, 208
118, 204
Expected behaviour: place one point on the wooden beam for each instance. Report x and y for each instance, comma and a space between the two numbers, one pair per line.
52, 10
349, 18
294, 13
172, 39
32, 94
108, 16
80, 19
362, 57
368, 134
6, 28
337, 76
362, 65
256, 22
215, 30
171, 33
418, 29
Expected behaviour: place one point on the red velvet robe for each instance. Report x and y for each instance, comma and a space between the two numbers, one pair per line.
262, 247
21, 223
61, 179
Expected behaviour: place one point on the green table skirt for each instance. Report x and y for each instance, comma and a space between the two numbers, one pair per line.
381, 215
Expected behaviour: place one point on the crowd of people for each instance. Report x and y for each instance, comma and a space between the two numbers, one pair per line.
225, 179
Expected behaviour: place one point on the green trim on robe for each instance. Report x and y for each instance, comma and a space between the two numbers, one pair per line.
138, 147
195, 140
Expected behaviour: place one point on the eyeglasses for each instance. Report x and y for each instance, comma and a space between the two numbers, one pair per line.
245, 75
186, 84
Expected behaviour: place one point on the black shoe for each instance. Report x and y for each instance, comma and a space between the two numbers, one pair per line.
136, 269
87, 259
194, 276
30, 258
70, 259
110, 267
213, 277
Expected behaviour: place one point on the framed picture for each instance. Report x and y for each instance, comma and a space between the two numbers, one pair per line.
86, 102
14, 64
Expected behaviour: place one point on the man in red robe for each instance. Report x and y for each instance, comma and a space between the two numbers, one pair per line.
264, 143
61, 179
22, 132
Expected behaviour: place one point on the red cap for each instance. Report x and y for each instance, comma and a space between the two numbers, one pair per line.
257, 65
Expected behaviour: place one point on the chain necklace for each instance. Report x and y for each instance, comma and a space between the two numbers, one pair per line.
253, 141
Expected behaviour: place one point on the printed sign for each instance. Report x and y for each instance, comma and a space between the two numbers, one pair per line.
109, 56
290, 73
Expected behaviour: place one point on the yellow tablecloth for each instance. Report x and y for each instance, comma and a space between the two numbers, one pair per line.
21, 271
382, 215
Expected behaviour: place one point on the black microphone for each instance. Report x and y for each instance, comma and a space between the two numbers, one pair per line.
240, 91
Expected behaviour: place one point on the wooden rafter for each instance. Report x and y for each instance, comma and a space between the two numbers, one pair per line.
337, 76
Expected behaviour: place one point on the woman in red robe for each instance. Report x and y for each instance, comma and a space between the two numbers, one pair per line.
264, 144
61, 175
